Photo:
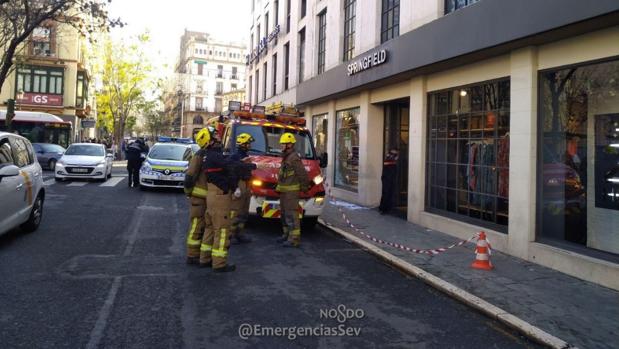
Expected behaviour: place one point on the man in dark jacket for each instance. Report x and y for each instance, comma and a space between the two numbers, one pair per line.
242, 194
389, 178
136, 153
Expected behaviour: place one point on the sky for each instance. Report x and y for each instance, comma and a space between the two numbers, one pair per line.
166, 20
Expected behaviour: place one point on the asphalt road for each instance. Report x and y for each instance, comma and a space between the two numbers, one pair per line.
106, 270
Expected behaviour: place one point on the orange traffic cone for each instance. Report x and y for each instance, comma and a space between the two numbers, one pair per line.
482, 254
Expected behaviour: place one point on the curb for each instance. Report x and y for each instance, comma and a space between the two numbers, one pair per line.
461, 295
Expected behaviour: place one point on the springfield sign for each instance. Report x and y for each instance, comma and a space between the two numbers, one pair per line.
370, 61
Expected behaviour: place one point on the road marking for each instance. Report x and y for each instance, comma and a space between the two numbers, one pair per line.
77, 184
112, 182
104, 314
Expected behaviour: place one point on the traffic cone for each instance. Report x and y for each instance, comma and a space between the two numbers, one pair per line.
482, 254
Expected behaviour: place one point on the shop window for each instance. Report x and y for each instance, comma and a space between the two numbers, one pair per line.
578, 184
347, 149
468, 153
320, 131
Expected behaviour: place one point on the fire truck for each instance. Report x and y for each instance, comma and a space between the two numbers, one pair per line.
266, 125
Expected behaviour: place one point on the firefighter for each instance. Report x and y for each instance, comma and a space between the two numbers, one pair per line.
220, 172
196, 188
292, 179
242, 194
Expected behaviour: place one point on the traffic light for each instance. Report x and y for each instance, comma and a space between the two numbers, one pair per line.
10, 113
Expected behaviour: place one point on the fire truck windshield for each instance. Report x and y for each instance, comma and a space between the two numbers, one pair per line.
267, 140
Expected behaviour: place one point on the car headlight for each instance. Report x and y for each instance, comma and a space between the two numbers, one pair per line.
60, 162
318, 179
101, 163
146, 167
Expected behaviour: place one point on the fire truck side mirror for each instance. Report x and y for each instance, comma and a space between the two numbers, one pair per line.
324, 160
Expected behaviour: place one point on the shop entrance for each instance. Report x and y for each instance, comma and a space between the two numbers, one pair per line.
396, 130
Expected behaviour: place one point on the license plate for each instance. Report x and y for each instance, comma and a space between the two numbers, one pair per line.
80, 170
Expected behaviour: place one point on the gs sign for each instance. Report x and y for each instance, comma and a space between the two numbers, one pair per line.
41, 99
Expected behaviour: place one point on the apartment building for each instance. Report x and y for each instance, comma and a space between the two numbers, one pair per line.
207, 69
52, 74
506, 114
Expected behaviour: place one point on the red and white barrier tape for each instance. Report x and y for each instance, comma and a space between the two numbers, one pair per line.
433, 251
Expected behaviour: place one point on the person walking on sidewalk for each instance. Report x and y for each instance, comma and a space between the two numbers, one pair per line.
136, 152
389, 181
292, 179
195, 187
242, 194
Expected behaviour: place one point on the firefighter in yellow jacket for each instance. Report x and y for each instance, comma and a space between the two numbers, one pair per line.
195, 187
291, 180
242, 194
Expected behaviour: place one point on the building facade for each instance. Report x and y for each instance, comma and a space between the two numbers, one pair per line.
52, 74
506, 115
207, 69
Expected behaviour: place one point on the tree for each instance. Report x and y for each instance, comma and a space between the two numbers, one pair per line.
19, 18
124, 75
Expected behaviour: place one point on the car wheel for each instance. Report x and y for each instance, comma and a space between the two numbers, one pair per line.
51, 164
35, 216
109, 175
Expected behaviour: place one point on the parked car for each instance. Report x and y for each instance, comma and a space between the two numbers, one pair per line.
84, 160
21, 185
48, 154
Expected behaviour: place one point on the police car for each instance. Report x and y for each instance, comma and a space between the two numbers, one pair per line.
166, 163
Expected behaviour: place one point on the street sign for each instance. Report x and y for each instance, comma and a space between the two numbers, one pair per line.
88, 123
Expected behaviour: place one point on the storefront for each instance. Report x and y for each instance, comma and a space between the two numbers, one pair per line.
522, 144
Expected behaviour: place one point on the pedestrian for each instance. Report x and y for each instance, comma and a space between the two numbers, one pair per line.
292, 179
135, 153
123, 150
389, 181
242, 194
195, 187
219, 171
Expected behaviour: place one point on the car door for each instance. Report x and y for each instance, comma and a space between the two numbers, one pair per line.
30, 173
11, 190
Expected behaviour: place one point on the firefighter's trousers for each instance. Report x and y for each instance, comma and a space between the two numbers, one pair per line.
216, 238
240, 210
197, 212
291, 225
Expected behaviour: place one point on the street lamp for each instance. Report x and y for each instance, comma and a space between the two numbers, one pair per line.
181, 95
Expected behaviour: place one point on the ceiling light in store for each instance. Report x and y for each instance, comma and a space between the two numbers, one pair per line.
613, 180
463, 93
615, 145
613, 195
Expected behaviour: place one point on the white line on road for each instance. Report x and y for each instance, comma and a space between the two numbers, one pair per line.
98, 331
77, 184
112, 182
104, 314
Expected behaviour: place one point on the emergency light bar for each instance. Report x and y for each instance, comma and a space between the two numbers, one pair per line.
286, 115
164, 139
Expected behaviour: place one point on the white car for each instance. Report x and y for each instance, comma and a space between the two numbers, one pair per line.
21, 184
84, 160
165, 165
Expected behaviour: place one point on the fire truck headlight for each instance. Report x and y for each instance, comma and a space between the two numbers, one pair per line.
318, 179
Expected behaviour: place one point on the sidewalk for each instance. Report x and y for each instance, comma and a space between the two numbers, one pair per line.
580, 313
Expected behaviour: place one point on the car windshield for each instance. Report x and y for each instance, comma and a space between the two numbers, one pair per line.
53, 148
267, 140
85, 149
168, 152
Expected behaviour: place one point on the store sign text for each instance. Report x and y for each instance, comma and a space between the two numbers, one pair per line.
41, 99
262, 45
370, 61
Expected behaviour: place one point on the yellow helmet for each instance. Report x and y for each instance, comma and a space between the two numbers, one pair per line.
287, 138
244, 138
203, 137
